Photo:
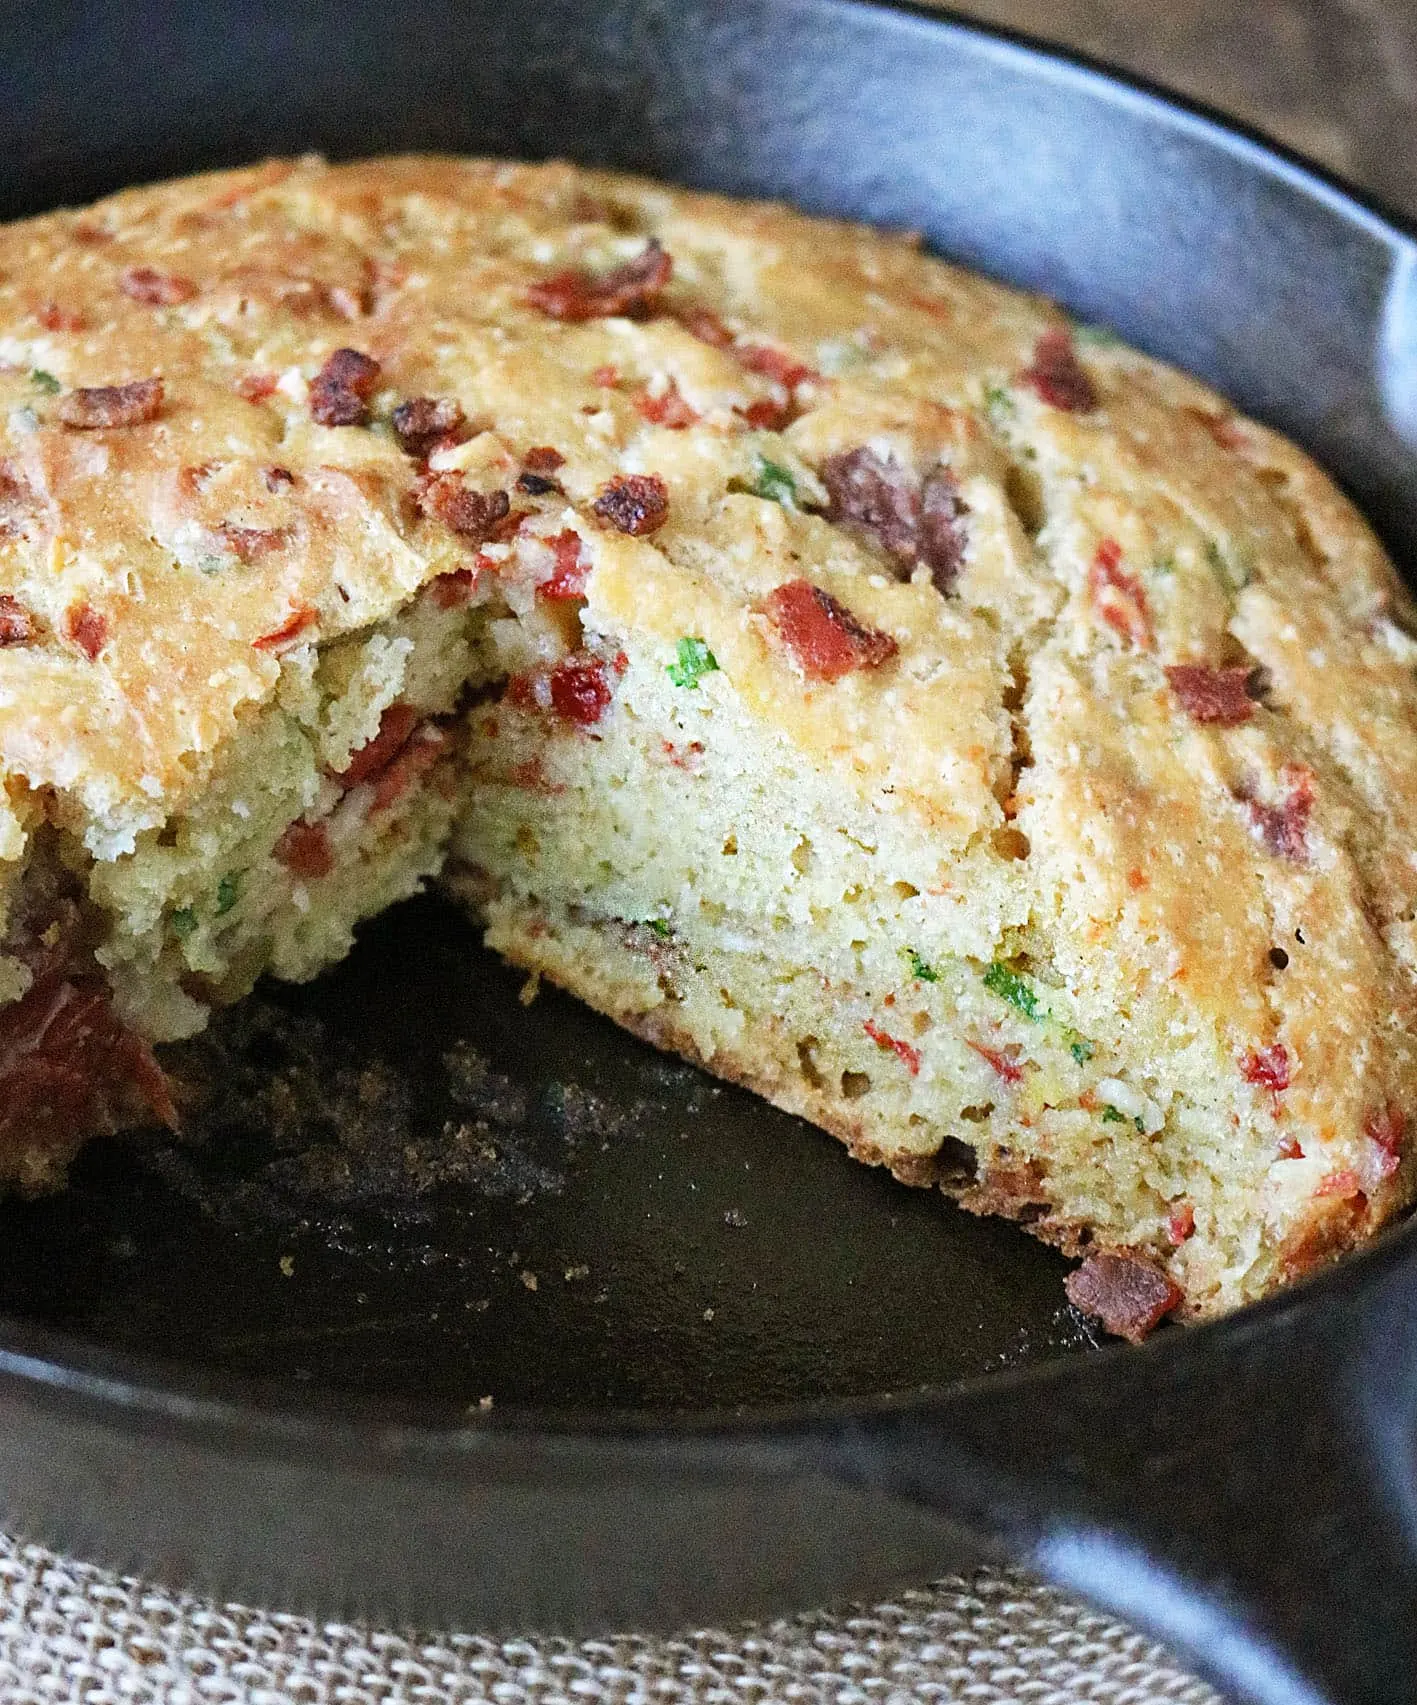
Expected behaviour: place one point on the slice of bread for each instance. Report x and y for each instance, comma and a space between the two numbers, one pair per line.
836, 667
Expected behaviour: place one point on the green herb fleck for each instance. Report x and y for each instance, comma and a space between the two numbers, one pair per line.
1079, 1047
184, 921
227, 892
921, 968
45, 382
774, 482
999, 406
660, 926
694, 661
1110, 1116
1009, 986
1233, 571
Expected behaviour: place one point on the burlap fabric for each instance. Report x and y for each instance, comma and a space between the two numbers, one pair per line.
71, 1633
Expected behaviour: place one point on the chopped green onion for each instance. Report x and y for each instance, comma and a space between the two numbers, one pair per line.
694, 661
184, 921
999, 405
1080, 1048
45, 382
774, 482
921, 968
660, 926
227, 892
1009, 986
1110, 1116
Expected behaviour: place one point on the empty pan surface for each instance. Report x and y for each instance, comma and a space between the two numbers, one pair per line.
446, 1308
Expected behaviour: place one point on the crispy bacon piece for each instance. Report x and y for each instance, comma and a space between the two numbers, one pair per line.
774, 364
579, 691
539, 465
567, 578
1212, 695
1119, 597
911, 523
473, 515
276, 478
305, 850
667, 409
87, 628
156, 289
1127, 1293
250, 544
634, 503
419, 753
17, 625
822, 634
706, 326
1345, 1184
94, 406
908, 1056
631, 290
1386, 1127
289, 630
1268, 1068
1284, 828
423, 423
69, 1067
340, 391
1181, 1222
1058, 376
55, 318
767, 415
396, 725
256, 387
452, 590
1008, 1069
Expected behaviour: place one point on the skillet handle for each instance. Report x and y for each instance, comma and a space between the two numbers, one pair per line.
1247, 1491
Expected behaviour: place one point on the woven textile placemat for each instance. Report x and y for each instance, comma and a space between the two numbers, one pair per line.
71, 1633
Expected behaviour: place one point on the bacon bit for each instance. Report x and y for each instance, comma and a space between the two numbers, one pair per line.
634, 503
620, 662
94, 406
1127, 1293
277, 478
396, 725
458, 587
87, 628
606, 377
912, 524
543, 459
1058, 376
1344, 1184
1386, 1126
1118, 596
305, 850
1212, 695
767, 415
706, 326
423, 423
1267, 1068
17, 626
56, 319
474, 515
340, 391
1181, 1223
256, 387
250, 544
420, 752
568, 578
1009, 1070
579, 691
1290, 1148
1284, 827
294, 625
775, 364
688, 759
822, 634
893, 1044
632, 289
668, 409
156, 289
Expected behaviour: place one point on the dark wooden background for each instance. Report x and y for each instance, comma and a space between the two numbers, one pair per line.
1335, 79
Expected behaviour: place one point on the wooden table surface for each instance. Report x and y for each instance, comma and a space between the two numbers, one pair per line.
1335, 79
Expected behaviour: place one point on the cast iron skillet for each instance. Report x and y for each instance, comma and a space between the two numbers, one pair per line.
750, 1374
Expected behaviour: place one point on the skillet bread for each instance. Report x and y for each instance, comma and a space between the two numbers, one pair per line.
841, 670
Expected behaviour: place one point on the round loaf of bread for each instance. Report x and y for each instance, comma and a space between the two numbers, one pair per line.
837, 667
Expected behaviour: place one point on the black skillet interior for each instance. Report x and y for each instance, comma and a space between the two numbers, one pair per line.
411, 1189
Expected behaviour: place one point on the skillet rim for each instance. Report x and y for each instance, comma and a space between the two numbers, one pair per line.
139, 1393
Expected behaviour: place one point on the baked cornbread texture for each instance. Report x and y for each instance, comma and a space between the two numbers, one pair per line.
838, 668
